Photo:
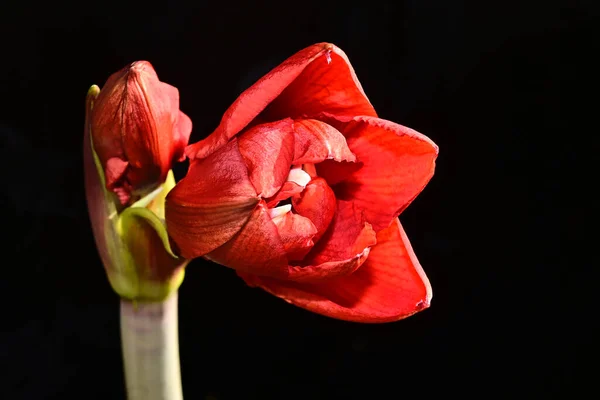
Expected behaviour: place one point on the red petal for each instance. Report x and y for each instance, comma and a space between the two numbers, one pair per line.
136, 119
150, 109
268, 150
397, 164
211, 204
296, 233
254, 100
335, 172
389, 286
181, 134
317, 203
343, 248
288, 189
317, 141
115, 172
328, 84
255, 249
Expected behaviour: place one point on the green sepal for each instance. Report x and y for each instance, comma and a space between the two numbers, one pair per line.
134, 244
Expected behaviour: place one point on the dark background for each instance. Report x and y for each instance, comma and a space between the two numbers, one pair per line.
498, 230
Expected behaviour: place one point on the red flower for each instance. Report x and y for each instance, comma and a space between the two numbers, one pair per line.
138, 130
298, 189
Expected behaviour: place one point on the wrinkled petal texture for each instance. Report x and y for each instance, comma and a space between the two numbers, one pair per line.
137, 125
296, 233
317, 79
268, 150
211, 204
397, 164
257, 247
389, 286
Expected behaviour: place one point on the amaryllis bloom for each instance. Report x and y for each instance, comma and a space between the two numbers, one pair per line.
138, 130
299, 189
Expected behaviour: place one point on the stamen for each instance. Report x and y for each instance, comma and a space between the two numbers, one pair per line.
299, 177
279, 211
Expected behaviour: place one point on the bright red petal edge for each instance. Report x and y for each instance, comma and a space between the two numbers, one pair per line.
389, 286
257, 97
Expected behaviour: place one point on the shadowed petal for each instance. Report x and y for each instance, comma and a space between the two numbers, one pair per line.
317, 203
335, 172
296, 233
389, 286
343, 248
181, 136
256, 248
211, 204
397, 164
288, 189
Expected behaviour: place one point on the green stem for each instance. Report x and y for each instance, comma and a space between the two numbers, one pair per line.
151, 350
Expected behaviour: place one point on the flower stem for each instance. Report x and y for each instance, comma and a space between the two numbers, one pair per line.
150, 342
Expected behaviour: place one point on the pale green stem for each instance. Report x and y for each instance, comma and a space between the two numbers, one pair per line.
150, 342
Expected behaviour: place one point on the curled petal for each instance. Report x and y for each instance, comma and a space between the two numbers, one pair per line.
328, 84
181, 136
389, 286
317, 203
335, 172
296, 233
256, 248
254, 100
268, 150
211, 204
397, 164
136, 119
288, 189
317, 79
317, 141
343, 248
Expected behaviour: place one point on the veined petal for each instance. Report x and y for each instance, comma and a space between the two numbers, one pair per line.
342, 250
256, 248
317, 79
212, 203
136, 123
316, 141
328, 84
268, 150
397, 164
181, 136
389, 286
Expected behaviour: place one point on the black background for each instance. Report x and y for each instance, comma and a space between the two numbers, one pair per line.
497, 86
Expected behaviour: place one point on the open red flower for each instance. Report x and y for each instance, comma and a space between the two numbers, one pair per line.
138, 130
299, 189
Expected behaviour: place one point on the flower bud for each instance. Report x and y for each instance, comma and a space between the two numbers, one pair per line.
132, 242
138, 131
